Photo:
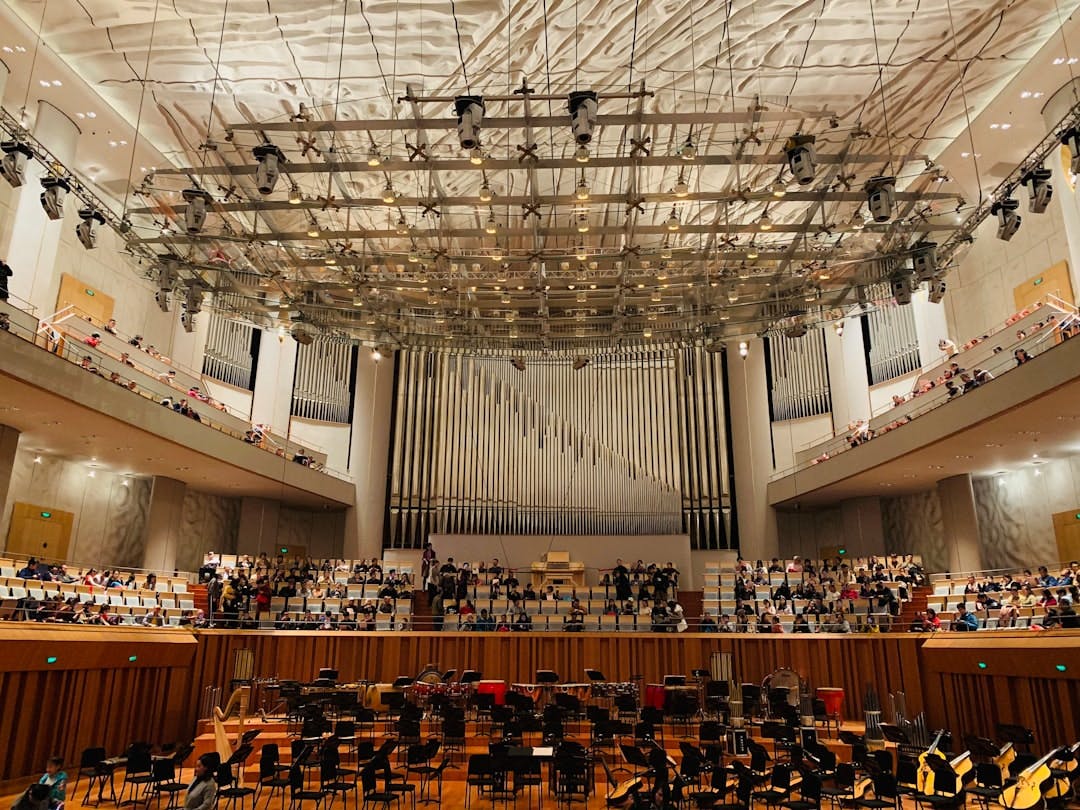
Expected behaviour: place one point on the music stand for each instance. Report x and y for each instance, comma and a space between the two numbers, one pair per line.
401, 681
674, 680
547, 677
594, 675
701, 673
851, 738
894, 734
636, 759
326, 674
449, 675
471, 676
1016, 734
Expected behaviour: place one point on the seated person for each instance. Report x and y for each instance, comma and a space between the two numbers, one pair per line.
522, 622
708, 623
964, 620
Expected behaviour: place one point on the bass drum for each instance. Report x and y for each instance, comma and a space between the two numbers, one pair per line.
431, 675
785, 679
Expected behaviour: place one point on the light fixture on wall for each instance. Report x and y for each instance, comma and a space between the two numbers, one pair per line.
744, 349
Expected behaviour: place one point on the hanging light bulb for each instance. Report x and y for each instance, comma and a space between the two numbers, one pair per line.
582, 191
779, 189
491, 226
497, 253
374, 159
413, 257
688, 151
647, 333
681, 188
582, 253
733, 295
744, 349
389, 196
313, 231
402, 227
583, 223
765, 223
665, 251
857, 221
476, 156
294, 195
672, 223
839, 327
486, 194
581, 154
752, 253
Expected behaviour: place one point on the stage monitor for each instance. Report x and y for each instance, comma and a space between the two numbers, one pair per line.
546, 676
674, 680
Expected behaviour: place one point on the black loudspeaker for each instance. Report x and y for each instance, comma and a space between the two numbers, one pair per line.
739, 747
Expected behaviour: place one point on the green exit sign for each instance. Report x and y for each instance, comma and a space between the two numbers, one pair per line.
284, 550
90, 292
1037, 282
48, 515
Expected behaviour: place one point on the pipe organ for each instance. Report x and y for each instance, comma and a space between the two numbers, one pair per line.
231, 347
325, 380
892, 344
634, 443
798, 376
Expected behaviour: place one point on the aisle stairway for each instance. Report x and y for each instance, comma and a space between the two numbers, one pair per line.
916, 604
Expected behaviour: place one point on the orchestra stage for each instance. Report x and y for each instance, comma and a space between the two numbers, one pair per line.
89, 686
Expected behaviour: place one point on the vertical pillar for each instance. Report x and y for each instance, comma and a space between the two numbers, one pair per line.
863, 535
847, 375
960, 521
271, 401
163, 524
752, 450
9, 446
370, 456
258, 529
33, 254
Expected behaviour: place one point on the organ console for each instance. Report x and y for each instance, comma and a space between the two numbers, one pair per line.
557, 569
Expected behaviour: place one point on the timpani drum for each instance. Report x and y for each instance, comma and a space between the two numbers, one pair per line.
578, 690
654, 695
833, 698
496, 688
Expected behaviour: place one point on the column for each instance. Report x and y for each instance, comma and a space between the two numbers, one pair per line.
163, 533
751, 445
864, 535
30, 240
9, 446
847, 374
960, 521
258, 529
370, 456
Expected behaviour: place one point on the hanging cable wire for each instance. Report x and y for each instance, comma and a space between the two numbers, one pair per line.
881, 85
1068, 56
33, 61
963, 96
138, 115
213, 90
460, 49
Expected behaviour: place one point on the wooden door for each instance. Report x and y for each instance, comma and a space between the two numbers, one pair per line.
1067, 532
39, 531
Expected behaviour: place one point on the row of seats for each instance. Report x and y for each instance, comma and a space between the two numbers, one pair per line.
300, 604
729, 605
13, 588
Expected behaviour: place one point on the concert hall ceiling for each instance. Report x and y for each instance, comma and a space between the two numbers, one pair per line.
680, 222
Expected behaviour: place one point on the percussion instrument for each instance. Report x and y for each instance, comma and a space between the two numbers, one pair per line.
786, 679
578, 690
496, 688
833, 698
654, 695
373, 695
533, 690
678, 697
613, 690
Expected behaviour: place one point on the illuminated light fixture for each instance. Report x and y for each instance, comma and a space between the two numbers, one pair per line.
476, 156
581, 154
665, 251
374, 159
799, 150
1060, 667
744, 349
376, 355
313, 231
733, 295
857, 221
402, 226
688, 151
582, 190
389, 196
37, 459
681, 189
647, 333
582, 252
839, 327
582, 223
486, 194
331, 260
294, 195
491, 227
982, 665
764, 223
672, 223
752, 253
497, 253
414, 257
778, 189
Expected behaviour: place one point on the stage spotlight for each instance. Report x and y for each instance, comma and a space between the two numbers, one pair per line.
688, 151
161, 298
1008, 220
518, 363
269, 169
1040, 191
800, 157
881, 197
902, 287
582, 105
187, 320
195, 213
13, 164
1071, 139
194, 299
87, 229
924, 260
580, 362
52, 198
937, 290
470, 115
744, 349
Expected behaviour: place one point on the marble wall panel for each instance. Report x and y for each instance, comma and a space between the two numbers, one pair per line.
912, 524
209, 522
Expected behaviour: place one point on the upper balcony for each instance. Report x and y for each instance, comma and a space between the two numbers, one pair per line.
110, 409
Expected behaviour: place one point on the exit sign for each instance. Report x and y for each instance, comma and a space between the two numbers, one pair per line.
48, 515
1037, 282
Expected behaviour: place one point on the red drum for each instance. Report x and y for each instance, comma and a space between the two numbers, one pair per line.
496, 688
654, 695
833, 697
